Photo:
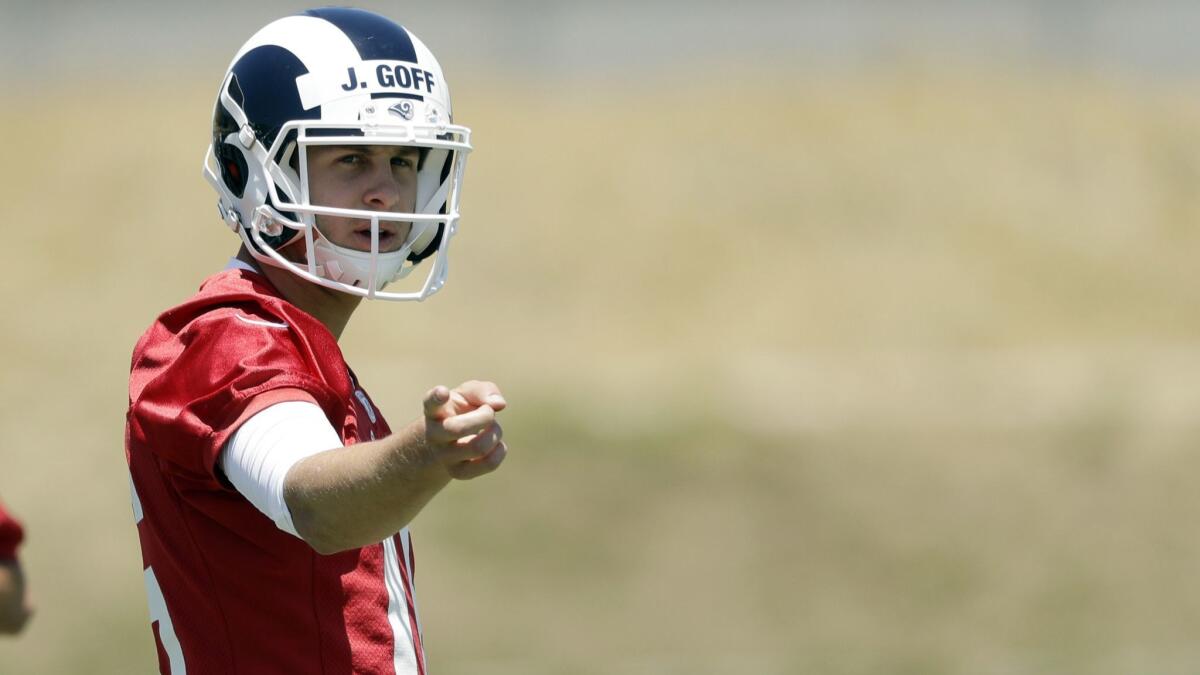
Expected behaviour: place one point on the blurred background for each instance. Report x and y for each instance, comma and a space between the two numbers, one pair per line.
839, 337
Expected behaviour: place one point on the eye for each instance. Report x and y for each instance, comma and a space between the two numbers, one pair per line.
403, 161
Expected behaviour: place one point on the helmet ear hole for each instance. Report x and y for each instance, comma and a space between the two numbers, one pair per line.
234, 171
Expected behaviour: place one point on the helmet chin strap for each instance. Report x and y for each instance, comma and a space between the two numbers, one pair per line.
438, 198
359, 268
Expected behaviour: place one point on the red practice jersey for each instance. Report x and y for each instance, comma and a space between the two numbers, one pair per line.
11, 535
229, 592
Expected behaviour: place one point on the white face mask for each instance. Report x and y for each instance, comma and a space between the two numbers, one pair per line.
373, 258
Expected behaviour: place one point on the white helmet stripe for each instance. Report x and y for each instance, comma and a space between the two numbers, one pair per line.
317, 43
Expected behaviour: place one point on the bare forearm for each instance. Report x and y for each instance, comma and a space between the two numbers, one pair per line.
14, 606
360, 494
357, 495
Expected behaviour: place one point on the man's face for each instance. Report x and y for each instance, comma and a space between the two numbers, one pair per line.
364, 177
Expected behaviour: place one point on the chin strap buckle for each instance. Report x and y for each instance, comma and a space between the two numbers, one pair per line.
264, 222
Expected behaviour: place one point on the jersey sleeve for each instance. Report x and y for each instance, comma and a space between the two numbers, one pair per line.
262, 451
11, 535
230, 366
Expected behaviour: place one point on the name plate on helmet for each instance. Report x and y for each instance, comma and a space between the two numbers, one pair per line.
368, 77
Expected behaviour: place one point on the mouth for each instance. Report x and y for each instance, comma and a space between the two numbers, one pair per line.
389, 237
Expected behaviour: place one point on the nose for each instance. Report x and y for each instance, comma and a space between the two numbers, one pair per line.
384, 191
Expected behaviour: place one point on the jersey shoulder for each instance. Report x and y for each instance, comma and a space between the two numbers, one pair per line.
235, 321
231, 349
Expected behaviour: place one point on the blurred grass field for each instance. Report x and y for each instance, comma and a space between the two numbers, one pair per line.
888, 372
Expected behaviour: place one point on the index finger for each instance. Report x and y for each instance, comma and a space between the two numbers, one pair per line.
478, 393
435, 403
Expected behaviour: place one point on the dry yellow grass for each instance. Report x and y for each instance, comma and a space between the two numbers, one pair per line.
885, 373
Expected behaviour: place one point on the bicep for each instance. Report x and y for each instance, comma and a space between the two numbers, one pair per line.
258, 456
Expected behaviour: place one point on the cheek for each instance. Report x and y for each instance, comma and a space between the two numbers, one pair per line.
410, 196
336, 229
317, 192
325, 191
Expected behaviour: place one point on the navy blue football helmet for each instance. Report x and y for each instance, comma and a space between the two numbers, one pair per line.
336, 77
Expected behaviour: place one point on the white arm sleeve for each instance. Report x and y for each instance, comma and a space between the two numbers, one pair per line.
258, 456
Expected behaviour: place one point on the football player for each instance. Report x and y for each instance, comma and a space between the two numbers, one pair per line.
272, 499
14, 603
